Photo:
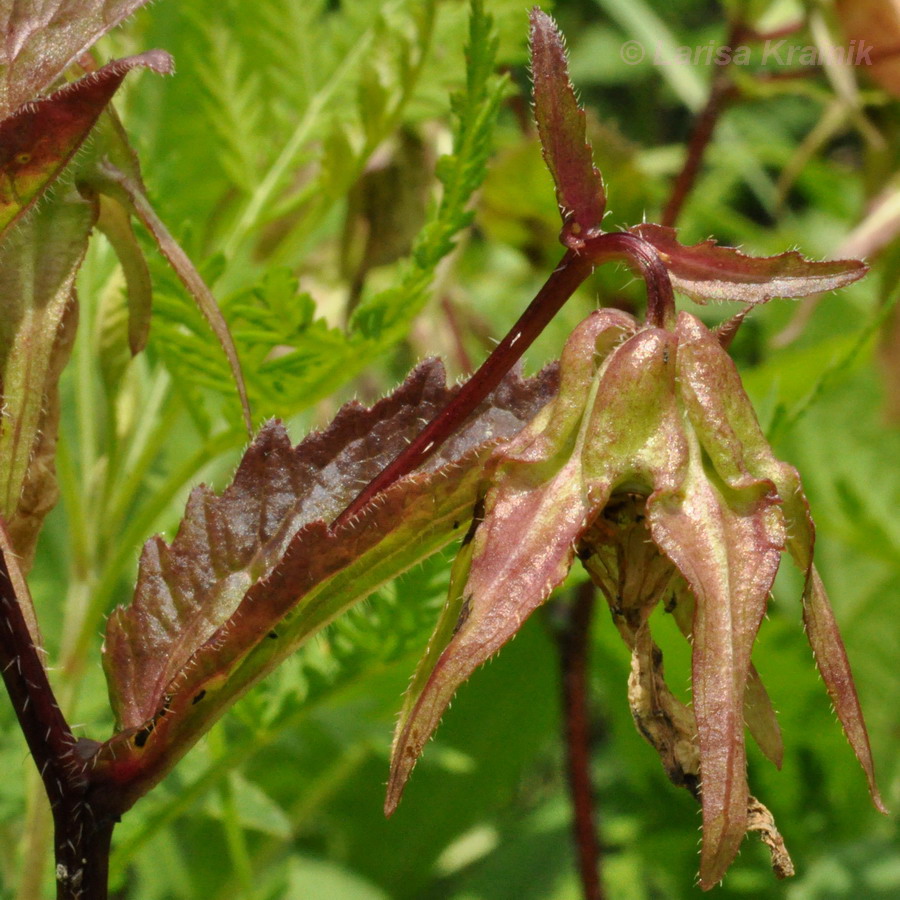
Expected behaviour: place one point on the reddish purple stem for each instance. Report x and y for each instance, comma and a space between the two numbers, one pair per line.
572, 270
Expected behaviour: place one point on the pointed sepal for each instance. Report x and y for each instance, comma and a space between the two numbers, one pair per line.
534, 511
831, 660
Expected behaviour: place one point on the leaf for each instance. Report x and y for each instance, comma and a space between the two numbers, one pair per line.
115, 223
831, 659
706, 271
38, 264
253, 573
42, 37
759, 714
562, 129
39, 139
128, 190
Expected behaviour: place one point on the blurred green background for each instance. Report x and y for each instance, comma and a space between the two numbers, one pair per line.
296, 145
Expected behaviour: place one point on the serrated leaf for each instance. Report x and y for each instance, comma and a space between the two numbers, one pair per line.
39, 138
43, 36
706, 271
562, 128
253, 573
38, 264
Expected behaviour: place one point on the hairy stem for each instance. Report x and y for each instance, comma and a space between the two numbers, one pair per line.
82, 830
573, 269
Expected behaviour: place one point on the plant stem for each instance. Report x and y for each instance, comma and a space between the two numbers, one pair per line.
720, 93
573, 642
561, 284
82, 828
593, 248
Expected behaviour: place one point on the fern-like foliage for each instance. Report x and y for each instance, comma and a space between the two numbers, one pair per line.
293, 356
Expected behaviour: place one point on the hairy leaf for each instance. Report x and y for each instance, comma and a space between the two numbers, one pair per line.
126, 187
253, 573
38, 264
706, 271
38, 140
562, 129
759, 714
41, 37
831, 659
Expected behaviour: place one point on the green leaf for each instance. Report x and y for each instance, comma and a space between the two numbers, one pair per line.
38, 264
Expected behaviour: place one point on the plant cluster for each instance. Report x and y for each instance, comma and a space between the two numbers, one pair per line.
639, 452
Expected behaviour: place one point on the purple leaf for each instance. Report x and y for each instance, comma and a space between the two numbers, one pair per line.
831, 659
706, 271
39, 139
562, 129
41, 37
208, 617
759, 714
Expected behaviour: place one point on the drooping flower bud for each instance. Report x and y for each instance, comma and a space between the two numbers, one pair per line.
651, 465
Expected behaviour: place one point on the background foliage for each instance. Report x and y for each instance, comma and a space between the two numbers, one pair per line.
297, 146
